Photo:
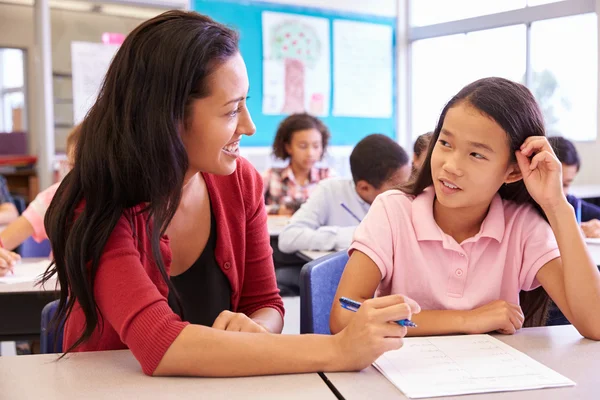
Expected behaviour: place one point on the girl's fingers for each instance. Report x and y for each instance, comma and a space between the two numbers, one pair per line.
544, 159
535, 143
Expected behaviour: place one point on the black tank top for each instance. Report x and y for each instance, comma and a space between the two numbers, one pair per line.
204, 290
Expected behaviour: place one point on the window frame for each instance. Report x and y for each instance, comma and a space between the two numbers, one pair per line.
523, 16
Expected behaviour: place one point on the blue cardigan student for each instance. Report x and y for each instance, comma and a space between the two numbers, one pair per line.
328, 219
588, 213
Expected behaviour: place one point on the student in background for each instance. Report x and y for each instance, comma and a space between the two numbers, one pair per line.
329, 217
420, 150
469, 234
31, 223
170, 165
589, 213
8, 213
8, 210
302, 140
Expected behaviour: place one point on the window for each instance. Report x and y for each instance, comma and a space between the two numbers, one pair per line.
429, 12
12, 90
442, 66
553, 49
564, 75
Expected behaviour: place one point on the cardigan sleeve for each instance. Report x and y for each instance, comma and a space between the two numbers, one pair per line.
130, 301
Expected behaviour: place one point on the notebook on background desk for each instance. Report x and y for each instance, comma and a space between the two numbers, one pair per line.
456, 365
26, 272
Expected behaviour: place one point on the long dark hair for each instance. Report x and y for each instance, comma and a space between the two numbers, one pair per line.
129, 151
514, 108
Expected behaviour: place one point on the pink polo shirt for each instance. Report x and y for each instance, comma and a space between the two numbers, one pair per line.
36, 211
416, 258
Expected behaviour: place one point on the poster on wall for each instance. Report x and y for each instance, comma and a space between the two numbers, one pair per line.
89, 63
362, 69
296, 64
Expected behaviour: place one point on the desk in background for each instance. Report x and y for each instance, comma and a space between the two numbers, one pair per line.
561, 348
585, 191
276, 223
21, 307
117, 375
593, 246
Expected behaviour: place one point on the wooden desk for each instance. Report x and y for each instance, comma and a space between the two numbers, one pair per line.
309, 255
21, 306
116, 375
23, 182
561, 348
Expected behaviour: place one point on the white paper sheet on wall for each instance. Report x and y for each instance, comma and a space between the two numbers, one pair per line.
89, 63
296, 64
456, 365
362, 69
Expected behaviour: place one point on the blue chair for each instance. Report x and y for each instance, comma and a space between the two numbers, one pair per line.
49, 342
318, 283
31, 248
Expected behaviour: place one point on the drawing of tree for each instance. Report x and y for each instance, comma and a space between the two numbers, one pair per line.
299, 47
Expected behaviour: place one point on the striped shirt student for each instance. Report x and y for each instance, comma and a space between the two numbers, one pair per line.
301, 139
283, 191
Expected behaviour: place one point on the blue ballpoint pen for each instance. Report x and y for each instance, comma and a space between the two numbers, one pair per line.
578, 211
350, 212
353, 306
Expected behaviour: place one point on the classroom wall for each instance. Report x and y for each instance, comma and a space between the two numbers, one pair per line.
17, 30
384, 8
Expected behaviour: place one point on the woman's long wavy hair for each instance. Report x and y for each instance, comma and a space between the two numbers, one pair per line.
130, 152
514, 108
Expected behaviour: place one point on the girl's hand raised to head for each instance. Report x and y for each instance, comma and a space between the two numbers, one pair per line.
542, 172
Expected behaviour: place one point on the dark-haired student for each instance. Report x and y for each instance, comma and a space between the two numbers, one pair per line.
330, 216
484, 221
158, 154
301, 139
569, 158
420, 149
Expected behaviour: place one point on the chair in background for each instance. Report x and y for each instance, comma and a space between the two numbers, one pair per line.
30, 248
49, 341
318, 283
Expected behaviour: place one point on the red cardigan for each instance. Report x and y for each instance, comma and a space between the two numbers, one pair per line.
132, 296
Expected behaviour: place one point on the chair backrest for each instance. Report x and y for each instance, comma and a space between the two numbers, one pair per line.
318, 283
30, 248
49, 342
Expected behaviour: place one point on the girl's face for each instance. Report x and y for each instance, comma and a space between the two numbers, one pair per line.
217, 122
305, 148
471, 159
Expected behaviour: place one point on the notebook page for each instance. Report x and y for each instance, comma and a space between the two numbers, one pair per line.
25, 272
455, 365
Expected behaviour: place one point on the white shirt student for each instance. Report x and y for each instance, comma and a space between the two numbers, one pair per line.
335, 208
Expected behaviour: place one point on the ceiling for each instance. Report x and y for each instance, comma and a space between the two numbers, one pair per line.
142, 9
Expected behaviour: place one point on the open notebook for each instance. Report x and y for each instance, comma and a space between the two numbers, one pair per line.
26, 272
454, 365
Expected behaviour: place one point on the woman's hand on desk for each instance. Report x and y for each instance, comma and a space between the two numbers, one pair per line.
8, 260
373, 331
237, 322
591, 229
